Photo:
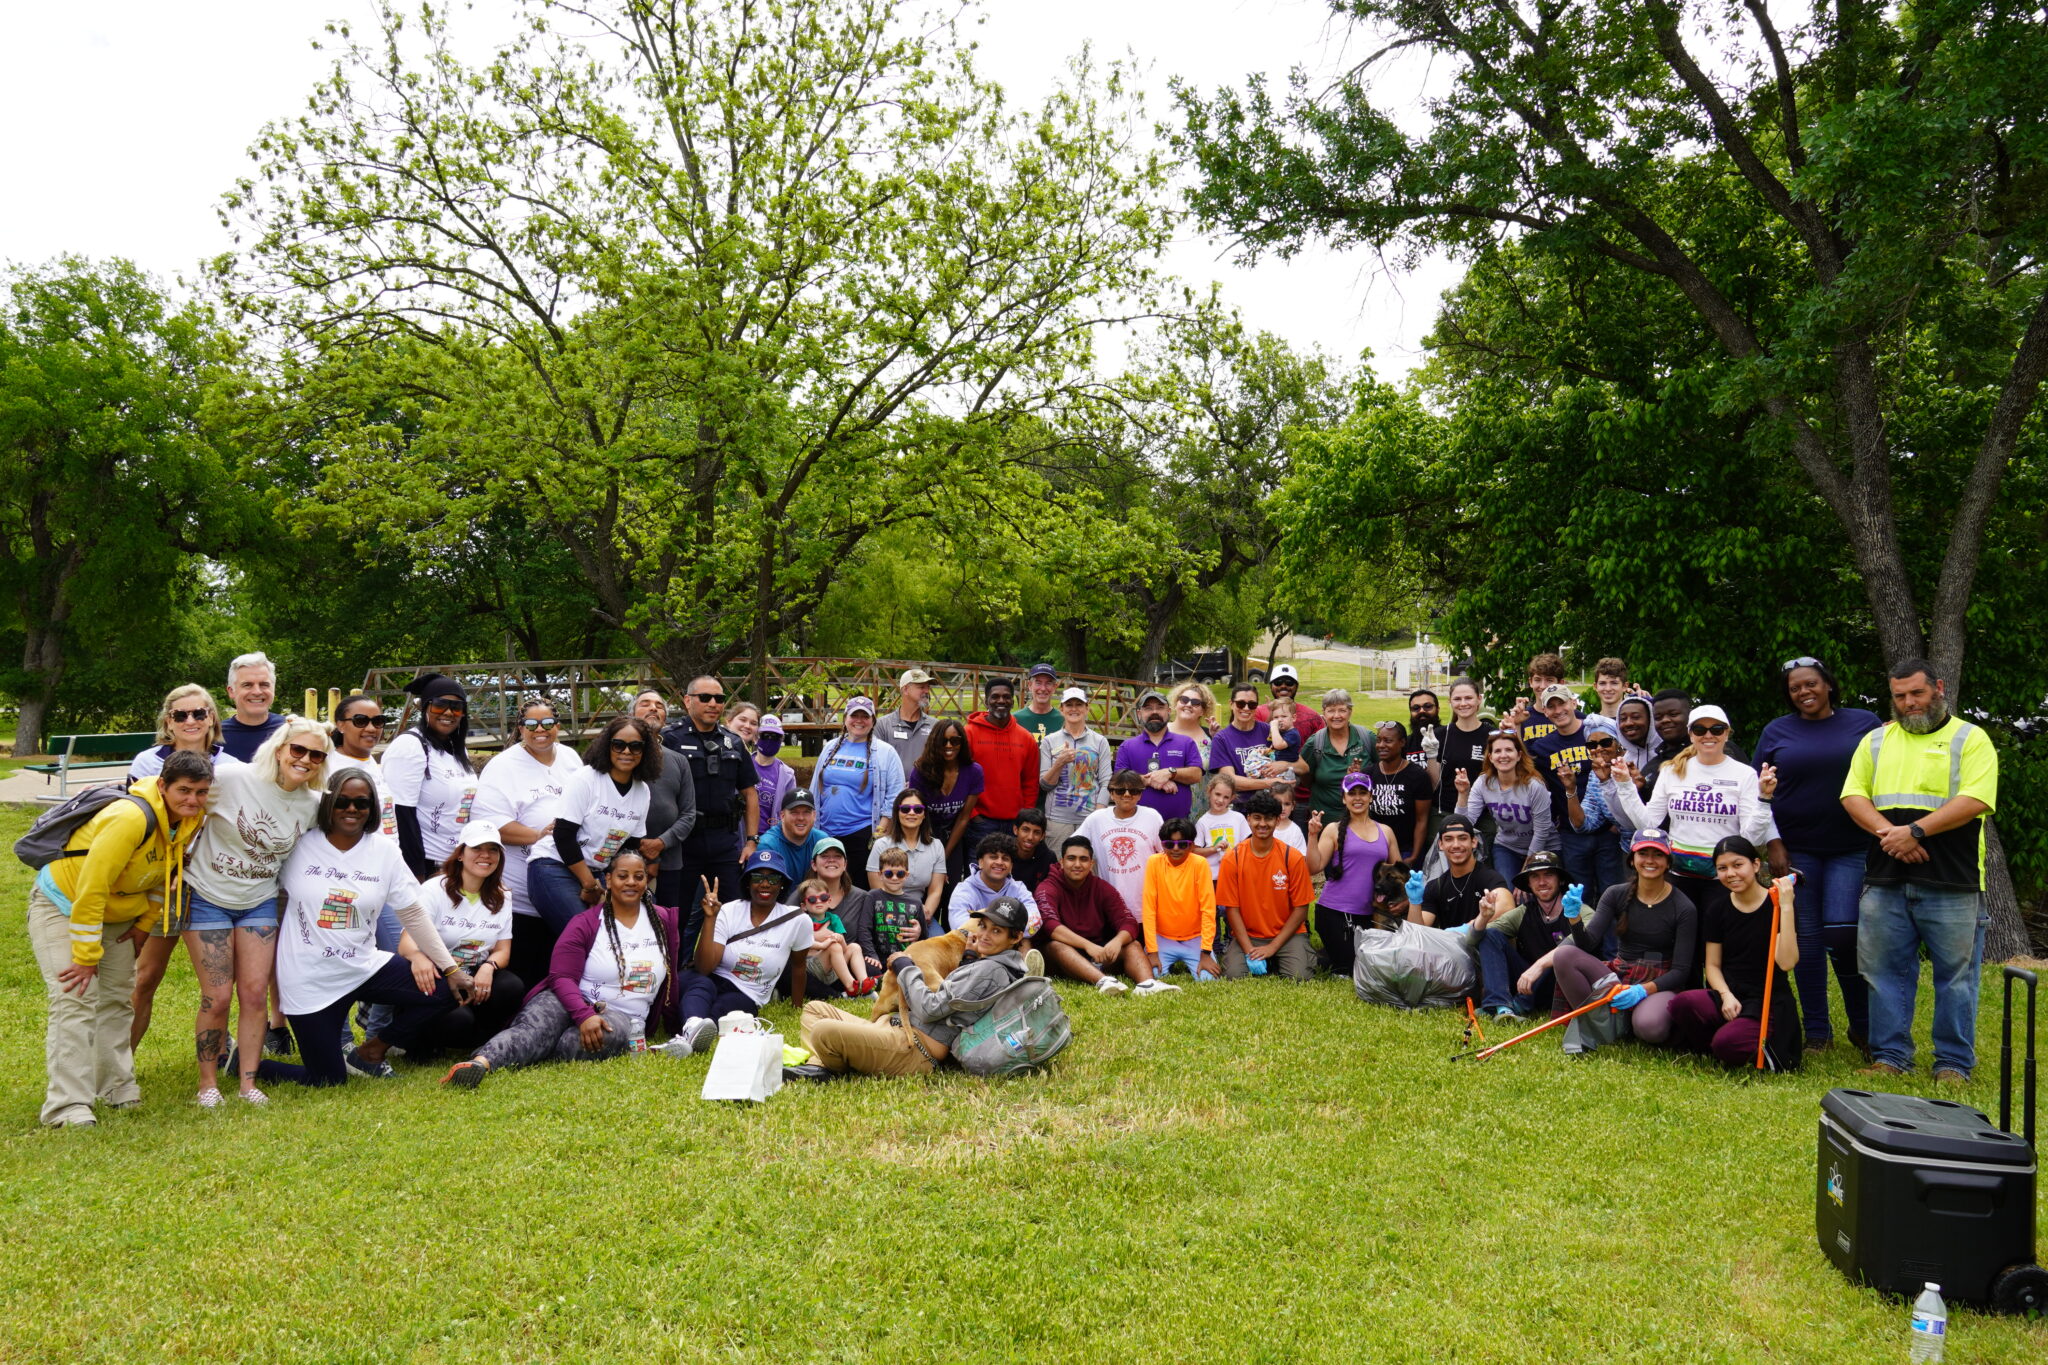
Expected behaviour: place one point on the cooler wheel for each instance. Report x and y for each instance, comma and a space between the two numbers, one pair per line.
2021, 1290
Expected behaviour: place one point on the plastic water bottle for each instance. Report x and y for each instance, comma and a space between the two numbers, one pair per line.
1930, 1324
636, 1035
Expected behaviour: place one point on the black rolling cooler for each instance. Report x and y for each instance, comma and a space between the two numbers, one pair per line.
1912, 1191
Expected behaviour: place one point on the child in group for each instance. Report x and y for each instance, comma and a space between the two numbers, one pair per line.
1280, 732
1123, 834
1222, 827
1035, 862
1179, 914
833, 955
894, 923
1288, 831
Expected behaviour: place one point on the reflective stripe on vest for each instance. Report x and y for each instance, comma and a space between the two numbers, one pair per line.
1955, 768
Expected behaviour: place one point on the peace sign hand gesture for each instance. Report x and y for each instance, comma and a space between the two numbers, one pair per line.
710, 898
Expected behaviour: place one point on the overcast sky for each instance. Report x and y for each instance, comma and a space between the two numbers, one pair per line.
126, 121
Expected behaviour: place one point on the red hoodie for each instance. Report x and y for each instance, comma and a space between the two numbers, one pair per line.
1008, 756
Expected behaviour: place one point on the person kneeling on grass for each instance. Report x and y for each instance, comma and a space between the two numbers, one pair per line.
1263, 892
1726, 1018
616, 965
1180, 905
921, 1036
1089, 931
1652, 920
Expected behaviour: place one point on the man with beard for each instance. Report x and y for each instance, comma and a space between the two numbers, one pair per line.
1168, 764
1008, 755
1921, 787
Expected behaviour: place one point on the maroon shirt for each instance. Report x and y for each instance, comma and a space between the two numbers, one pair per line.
1093, 910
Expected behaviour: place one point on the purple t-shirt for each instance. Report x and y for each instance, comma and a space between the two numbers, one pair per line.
943, 808
1248, 753
1139, 754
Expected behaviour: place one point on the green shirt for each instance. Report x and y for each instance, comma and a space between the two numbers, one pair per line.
1039, 726
1327, 769
1907, 776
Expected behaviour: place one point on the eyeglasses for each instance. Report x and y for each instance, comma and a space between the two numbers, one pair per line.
1803, 661
445, 705
627, 746
351, 803
301, 752
910, 810
1176, 843
895, 872
537, 723
708, 696
180, 717
1707, 727
365, 722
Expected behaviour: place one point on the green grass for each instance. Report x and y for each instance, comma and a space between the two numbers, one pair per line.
1261, 1172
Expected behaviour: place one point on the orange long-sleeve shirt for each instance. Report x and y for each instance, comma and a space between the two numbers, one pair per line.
1180, 902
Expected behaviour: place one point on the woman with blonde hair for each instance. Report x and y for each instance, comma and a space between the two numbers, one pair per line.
1194, 710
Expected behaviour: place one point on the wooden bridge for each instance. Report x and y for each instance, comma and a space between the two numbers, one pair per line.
806, 691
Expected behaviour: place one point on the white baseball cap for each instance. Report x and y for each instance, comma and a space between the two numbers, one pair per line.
1073, 694
1707, 712
1283, 671
477, 832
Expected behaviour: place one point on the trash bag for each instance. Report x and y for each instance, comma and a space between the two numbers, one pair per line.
1413, 967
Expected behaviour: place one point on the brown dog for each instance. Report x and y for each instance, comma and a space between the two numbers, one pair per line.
936, 958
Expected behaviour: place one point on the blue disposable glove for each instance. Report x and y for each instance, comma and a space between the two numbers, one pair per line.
1255, 965
1629, 999
1416, 882
1574, 900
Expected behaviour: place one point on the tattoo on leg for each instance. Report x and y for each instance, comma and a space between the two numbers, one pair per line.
266, 931
216, 955
212, 1045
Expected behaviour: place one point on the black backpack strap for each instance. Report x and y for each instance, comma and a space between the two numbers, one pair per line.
752, 930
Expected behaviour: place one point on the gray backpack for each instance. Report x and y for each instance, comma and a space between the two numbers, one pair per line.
1022, 1026
45, 840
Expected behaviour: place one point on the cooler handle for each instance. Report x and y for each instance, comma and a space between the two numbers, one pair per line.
2013, 974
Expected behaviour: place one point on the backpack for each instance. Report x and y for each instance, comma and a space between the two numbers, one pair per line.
45, 840
1022, 1027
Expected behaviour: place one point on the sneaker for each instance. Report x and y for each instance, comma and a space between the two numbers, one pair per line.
252, 1097
1034, 963
80, 1121
1948, 1075
277, 1042
466, 1075
1153, 987
1880, 1069
1109, 985
1508, 1014
359, 1065
700, 1033
210, 1099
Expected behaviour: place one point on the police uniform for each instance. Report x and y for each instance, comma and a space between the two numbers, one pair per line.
723, 771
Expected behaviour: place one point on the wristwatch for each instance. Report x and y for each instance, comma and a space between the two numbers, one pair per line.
1917, 832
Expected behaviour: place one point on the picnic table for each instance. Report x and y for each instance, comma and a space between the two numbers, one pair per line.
77, 753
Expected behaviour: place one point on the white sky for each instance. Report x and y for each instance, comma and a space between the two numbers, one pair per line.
128, 119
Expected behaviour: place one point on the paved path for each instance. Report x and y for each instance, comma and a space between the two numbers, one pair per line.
26, 786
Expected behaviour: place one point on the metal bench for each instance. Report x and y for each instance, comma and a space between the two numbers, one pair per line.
98, 751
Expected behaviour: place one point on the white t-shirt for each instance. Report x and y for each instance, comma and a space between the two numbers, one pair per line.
1290, 834
150, 762
468, 930
1121, 848
439, 786
755, 963
387, 823
518, 788
1216, 835
251, 828
927, 863
626, 989
604, 819
327, 943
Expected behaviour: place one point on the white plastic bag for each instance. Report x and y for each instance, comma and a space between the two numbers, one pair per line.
746, 1066
1413, 966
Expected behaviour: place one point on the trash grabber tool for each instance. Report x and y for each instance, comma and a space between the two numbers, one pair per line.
1586, 1008
1763, 1034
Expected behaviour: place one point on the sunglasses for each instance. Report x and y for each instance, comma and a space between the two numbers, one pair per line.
1189, 704
201, 713
532, 723
444, 706
708, 696
1177, 843
953, 741
817, 900
1709, 728
1241, 705
895, 872
627, 746
365, 722
351, 803
1606, 743
313, 756
910, 810
1803, 661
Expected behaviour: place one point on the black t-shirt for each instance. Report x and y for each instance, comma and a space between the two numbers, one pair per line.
1463, 751
1395, 797
1455, 900
1538, 935
1745, 947
1036, 868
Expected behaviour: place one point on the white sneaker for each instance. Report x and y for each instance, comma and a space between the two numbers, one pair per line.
700, 1033
1153, 987
1109, 985
210, 1098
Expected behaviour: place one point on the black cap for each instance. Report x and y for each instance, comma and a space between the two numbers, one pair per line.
800, 797
1461, 823
1005, 912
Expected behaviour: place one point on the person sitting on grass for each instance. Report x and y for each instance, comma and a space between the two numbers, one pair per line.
1652, 921
1180, 905
615, 972
917, 1039
1034, 861
1726, 1017
473, 915
1090, 933
834, 957
894, 918
745, 950
334, 887
1454, 897
994, 856
1263, 892
1512, 983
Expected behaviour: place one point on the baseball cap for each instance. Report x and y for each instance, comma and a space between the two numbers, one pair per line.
1353, 781
1150, 694
1707, 712
1284, 672
1459, 822
828, 844
1546, 861
854, 704
1556, 692
479, 832
765, 860
771, 724
1005, 912
1074, 694
913, 675
1650, 838
800, 797
1042, 671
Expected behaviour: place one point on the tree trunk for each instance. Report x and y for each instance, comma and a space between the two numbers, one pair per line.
1075, 633
1159, 614
764, 601
42, 658
2006, 938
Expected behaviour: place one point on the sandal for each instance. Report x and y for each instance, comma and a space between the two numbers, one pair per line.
210, 1098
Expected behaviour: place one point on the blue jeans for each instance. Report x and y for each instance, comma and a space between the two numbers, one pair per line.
1824, 917
1501, 965
1896, 921
1508, 861
1584, 855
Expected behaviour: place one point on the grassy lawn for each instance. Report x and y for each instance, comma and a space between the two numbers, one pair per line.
1239, 1173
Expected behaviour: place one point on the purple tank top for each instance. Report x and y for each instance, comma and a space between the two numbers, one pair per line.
1351, 894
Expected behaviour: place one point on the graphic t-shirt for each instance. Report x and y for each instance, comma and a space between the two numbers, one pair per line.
844, 784
1265, 890
327, 938
1040, 725
387, 823
1121, 848
1216, 835
436, 784
1395, 797
1554, 751
251, 827
1455, 900
755, 963
517, 788
1083, 784
468, 930
893, 917
942, 808
605, 818
625, 982
1248, 753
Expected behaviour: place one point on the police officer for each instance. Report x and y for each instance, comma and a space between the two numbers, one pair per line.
724, 777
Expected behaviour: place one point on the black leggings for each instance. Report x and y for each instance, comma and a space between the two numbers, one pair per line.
710, 997
427, 1029
321, 1033
1334, 929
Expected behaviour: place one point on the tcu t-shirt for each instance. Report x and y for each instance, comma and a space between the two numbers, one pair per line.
468, 929
605, 818
517, 788
1121, 848
755, 963
327, 942
436, 784
625, 982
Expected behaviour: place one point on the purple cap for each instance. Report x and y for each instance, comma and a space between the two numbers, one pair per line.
1353, 781
771, 724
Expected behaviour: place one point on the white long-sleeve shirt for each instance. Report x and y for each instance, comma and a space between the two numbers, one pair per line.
1698, 810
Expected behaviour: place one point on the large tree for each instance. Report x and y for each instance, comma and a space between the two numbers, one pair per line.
1893, 159
709, 290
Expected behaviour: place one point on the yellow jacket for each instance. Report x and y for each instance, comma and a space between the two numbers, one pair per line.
121, 868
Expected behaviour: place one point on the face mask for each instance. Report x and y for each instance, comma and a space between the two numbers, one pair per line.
1154, 724
766, 745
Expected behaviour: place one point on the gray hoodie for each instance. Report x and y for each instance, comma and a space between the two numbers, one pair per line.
971, 982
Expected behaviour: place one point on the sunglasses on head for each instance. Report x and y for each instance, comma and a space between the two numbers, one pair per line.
300, 751
539, 723
201, 713
379, 720
1803, 661
1709, 727
351, 803
444, 705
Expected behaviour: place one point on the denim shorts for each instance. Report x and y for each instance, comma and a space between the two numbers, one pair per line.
206, 915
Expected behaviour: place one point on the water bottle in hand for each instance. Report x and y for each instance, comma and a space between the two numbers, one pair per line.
1574, 900
1930, 1324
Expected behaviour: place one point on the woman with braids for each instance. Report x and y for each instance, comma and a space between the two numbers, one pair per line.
428, 772
616, 972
